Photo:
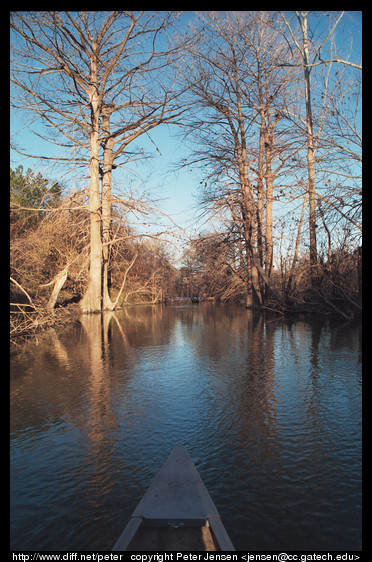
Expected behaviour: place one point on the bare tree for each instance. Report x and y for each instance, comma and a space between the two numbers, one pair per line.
308, 62
265, 124
77, 71
236, 82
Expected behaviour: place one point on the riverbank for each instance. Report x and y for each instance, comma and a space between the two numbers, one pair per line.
26, 323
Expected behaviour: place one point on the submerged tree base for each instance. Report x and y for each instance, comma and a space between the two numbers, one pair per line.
92, 301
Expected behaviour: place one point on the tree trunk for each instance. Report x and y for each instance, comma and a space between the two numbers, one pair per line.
249, 214
60, 281
360, 273
106, 206
260, 185
269, 177
92, 300
297, 245
310, 154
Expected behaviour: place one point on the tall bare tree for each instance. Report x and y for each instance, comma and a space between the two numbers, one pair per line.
308, 62
79, 70
236, 83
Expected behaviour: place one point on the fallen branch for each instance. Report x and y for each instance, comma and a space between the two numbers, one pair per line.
59, 282
338, 310
23, 323
23, 291
124, 280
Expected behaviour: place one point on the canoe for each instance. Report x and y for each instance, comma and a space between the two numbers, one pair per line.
176, 513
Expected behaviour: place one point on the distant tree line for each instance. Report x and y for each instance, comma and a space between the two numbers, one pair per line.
212, 269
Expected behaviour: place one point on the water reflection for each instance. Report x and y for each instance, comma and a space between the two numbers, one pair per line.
269, 410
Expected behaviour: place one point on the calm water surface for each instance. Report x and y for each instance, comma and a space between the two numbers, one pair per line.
269, 410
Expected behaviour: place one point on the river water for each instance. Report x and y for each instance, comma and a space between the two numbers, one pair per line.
269, 410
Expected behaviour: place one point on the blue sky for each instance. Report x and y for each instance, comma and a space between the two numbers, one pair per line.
172, 191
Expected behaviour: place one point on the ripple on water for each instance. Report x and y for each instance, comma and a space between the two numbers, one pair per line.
270, 413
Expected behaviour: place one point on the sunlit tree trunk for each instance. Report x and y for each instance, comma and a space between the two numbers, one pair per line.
310, 150
269, 177
106, 205
297, 245
92, 300
59, 282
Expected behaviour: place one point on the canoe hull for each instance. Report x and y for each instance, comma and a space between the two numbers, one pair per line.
176, 513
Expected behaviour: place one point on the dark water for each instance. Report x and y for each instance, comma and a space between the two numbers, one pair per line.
269, 410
